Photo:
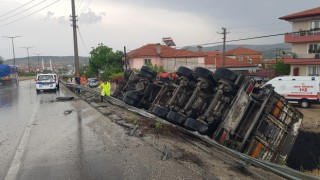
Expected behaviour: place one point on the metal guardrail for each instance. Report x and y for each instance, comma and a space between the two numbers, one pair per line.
280, 170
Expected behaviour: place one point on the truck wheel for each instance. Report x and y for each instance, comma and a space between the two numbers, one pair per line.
304, 103
127, 74
131, 98
225, 74
160, 111
190, 124
183, 71
205, 73
148, 70
146, 75
175, 118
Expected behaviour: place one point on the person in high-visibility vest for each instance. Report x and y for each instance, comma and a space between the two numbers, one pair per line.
106, 89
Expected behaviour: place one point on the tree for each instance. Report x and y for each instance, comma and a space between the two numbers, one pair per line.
281, 68
155, 67
1, 60
106, 60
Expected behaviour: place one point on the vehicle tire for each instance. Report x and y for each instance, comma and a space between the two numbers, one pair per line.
225, 74
160, 111
38, 91
304, 103
148, 70
176, 118
183, 71
127, 74
190, 124
196, 125
58, 87
205, 73
131, 98
146, 75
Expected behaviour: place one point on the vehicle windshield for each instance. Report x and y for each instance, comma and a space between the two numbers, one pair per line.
45, 77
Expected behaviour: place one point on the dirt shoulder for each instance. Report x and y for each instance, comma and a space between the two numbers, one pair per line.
311, 118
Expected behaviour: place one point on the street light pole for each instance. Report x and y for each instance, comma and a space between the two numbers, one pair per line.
38, 67
28, 57
14, 56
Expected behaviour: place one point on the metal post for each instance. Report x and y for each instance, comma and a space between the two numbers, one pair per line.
14, 56
38, 67
28, 57
75, 41
224, 47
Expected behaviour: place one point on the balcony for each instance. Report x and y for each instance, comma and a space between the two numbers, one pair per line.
303, 59
303, 36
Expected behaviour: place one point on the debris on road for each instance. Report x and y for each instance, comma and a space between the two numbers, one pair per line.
65, 98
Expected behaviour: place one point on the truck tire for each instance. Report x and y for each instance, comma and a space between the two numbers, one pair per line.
183, 71
131, 98
225, 74
175, 118
146, 75
148, 70
127, 74
190, 124
205, 73
160, 111
304, 103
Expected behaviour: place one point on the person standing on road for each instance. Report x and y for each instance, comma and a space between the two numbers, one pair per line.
106, 89
77, 79
83, 80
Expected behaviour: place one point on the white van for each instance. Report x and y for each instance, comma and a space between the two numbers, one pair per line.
46, 82
302, 90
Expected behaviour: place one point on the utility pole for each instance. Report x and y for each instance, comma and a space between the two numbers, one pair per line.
224, 32
38, 67
75, 41
14, 56
27, 48
125, 57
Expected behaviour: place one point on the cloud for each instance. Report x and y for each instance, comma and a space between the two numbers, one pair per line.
90, 17
49, 15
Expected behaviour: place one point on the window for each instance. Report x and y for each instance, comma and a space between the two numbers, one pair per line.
314, 70
314, 48
147, 61
315, 24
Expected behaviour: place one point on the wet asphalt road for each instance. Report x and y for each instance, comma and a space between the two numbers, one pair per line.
41, 139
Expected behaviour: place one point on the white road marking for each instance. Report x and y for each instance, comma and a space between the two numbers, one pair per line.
16, 163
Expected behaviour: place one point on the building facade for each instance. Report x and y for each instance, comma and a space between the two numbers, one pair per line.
305, 39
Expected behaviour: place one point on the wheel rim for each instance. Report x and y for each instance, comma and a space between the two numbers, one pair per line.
304, 104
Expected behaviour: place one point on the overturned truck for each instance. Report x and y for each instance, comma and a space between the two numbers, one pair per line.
223, 105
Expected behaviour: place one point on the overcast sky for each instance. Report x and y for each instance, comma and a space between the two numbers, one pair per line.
134, 23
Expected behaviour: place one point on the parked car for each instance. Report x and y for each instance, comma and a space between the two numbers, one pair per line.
46, 82
92, 82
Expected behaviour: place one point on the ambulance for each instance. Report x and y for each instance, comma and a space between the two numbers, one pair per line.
301, 90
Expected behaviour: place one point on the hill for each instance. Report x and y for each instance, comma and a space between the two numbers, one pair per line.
64, 60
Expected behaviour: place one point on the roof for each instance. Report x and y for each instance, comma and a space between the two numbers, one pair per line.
164, 51
215, 58
242, 51
263, 72
302, 14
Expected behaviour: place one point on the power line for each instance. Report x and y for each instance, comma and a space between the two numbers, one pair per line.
84, 8
82, 40
243, 39
29, 14
79, 5
23, 11
16, 8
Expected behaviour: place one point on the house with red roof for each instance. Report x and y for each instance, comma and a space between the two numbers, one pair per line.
171, 59
305, 40
245, 55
